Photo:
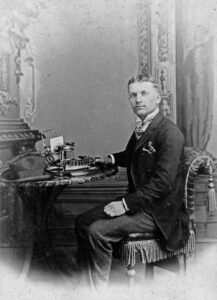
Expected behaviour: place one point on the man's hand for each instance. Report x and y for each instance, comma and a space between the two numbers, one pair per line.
103, 159
115, 209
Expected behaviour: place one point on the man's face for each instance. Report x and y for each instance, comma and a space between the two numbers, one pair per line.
144, 98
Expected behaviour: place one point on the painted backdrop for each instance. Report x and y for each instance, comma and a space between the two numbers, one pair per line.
84, 54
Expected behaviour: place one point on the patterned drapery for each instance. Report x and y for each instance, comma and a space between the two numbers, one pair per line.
195, 75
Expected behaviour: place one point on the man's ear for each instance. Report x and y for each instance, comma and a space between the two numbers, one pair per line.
158, 98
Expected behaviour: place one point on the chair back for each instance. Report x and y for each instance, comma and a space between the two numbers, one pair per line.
195, 162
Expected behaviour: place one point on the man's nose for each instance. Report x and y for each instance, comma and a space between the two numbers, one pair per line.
139, 97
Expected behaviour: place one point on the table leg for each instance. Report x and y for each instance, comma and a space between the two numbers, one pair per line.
45, 247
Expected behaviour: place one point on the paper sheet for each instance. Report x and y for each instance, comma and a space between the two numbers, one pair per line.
55, 142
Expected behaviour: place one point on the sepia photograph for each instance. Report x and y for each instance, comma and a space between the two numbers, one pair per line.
108, 149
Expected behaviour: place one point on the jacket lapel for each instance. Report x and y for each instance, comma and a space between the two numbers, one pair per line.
148, 132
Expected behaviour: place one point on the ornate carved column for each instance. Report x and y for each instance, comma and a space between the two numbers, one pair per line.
15, 135
156, 27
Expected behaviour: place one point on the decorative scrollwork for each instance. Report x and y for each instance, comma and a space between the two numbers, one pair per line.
5, 103
162, 31
20, 44
30, 110
144, 23
5, 71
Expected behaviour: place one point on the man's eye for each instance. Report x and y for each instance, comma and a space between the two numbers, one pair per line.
143, 93
132, 95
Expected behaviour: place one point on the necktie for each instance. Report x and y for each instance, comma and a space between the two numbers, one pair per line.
141, 127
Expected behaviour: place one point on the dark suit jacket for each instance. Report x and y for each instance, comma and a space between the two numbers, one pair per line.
155, 179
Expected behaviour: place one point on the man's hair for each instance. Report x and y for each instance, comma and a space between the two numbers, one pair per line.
145, 78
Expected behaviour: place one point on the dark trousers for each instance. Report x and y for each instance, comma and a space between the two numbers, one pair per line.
96, 232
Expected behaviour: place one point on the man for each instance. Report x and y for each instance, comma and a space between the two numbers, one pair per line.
154, 201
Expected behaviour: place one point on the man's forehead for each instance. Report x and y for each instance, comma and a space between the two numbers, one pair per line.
140, 85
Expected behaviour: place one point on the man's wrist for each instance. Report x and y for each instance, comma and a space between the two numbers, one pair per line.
112, 159
125, 205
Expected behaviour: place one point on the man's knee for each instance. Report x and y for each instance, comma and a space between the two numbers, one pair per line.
95, 231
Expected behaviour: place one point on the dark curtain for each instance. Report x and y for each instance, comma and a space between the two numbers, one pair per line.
195, 76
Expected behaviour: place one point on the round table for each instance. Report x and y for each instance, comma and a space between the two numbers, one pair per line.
38, 195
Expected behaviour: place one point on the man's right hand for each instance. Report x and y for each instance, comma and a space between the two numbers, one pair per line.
103, 159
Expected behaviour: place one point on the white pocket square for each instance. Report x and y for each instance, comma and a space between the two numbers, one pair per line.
150, 149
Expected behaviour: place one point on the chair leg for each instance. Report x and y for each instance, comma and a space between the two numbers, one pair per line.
185, 263
131, 272
149, 272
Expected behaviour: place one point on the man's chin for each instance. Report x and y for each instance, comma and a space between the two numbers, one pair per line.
140, 113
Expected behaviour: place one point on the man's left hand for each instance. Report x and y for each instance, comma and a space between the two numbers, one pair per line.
115, 209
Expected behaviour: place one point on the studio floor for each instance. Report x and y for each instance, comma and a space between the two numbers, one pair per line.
41, 283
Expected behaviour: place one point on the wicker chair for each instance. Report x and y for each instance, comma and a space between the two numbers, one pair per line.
147, 246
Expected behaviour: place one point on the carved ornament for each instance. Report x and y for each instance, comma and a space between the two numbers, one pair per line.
11, 136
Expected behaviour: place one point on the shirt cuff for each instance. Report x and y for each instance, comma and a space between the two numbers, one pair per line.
112, 158
124, 204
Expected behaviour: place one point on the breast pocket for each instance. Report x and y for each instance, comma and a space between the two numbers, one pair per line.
145, 162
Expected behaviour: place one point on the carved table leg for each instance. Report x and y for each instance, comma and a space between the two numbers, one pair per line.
131, 272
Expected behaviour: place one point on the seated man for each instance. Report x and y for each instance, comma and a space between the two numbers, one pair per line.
154, 200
